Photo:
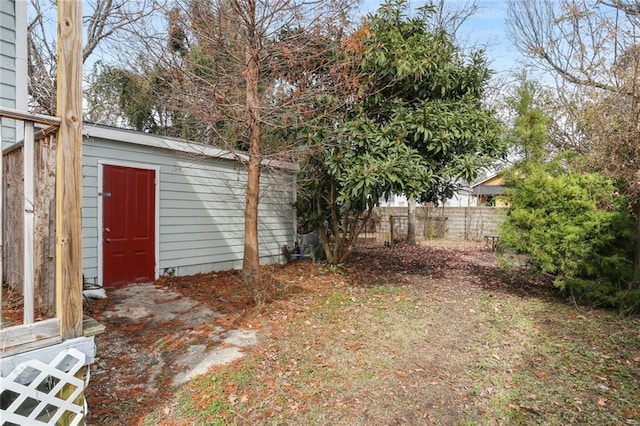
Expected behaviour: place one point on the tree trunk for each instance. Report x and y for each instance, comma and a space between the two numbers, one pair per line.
411, 221
330, 249
251, 258
326, 246
636, 249
345, 236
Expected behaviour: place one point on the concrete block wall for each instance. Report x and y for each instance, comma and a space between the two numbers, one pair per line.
471, 223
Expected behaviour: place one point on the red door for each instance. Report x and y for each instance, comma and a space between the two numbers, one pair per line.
128, 235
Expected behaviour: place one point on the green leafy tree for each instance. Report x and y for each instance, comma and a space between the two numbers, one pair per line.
415, 125
418, 76
530, 132
344, 178
143, 99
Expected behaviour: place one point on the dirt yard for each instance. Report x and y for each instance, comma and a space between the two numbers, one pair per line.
428, 334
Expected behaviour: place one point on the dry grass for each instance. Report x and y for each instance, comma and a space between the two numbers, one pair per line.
419, 335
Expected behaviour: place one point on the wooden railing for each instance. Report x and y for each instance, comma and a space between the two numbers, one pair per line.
32, 332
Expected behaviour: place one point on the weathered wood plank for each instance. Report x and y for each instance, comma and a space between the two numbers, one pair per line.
13, 216
27, 333
14, 114
44, 229
46, 353
44, 244
92, 327
69, 170
29, 219
8, 353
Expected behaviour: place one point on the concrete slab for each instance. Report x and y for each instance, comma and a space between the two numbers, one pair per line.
146, 300
160, 305
200, 363
241, 338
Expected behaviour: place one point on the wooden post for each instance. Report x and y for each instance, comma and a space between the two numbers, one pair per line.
427, 234
45, 240
28, 174
390, 230
411, 221
69, 170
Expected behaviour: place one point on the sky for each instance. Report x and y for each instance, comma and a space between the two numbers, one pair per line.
485, 28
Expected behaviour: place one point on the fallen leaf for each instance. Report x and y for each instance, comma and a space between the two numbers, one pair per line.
540, 374
233, 398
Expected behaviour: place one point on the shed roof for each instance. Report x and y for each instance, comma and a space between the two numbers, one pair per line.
181, 145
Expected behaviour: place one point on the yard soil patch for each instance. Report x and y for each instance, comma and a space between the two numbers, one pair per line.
430, 334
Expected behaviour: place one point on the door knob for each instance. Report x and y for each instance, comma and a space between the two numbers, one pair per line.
108, 240
107, 230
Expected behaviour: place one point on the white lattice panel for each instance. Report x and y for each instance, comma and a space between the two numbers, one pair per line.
32, 393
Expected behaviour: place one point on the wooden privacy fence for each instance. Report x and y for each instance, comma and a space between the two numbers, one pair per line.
27, 233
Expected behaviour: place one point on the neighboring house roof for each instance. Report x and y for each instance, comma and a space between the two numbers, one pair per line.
490, 185
488, 190
492, 179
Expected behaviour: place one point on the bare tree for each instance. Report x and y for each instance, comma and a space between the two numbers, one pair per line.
593, 46
107, 19
451, 18
580, 40
251, 74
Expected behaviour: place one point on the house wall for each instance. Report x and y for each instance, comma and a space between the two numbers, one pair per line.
8, 65
489, 198
13, 63
499, 201
497, 180
393, 201
201, 208
462, 198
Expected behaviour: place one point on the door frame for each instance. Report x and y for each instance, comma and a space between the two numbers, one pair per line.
156, 237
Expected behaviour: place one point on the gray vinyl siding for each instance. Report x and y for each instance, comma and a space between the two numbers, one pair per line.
201, 208
8, 65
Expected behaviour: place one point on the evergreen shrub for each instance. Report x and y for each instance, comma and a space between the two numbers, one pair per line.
575, 227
